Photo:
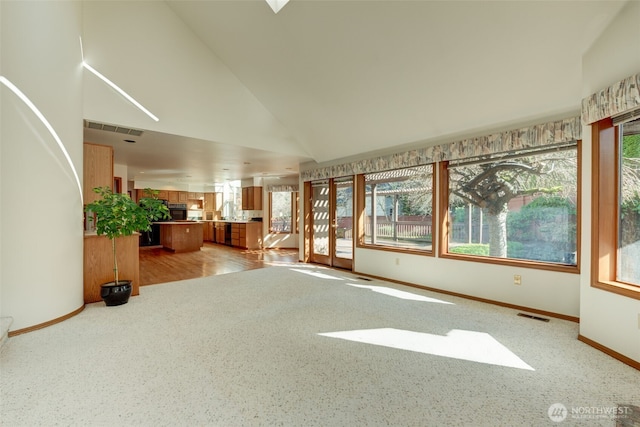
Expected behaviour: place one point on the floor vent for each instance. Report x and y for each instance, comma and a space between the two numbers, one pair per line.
530, 316
364, 278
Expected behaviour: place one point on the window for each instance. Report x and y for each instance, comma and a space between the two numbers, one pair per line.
283, 212
398, 209
520, 207
616, 207
628, 268
231, 199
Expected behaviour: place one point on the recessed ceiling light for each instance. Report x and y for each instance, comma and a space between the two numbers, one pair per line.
225, 169
130, 141
247, 163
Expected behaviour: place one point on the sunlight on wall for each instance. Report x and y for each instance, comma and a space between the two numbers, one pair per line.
457, 344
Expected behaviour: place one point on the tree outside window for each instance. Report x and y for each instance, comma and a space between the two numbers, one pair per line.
522, 206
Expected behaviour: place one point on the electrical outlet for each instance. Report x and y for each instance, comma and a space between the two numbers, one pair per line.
517, 279
397, 261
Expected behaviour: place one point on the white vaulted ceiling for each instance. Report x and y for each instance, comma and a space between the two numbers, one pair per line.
324, 80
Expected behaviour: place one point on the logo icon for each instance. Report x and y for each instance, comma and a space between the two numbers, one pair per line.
557, 412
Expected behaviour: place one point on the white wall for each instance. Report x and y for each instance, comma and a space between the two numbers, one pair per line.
540, 289
165, 67
607, 318
41, 219
121, 171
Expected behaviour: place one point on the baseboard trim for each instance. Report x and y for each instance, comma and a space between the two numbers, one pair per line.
45, 324
479, 299
621, 357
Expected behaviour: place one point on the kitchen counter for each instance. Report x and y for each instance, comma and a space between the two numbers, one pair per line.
232, 221
181, 236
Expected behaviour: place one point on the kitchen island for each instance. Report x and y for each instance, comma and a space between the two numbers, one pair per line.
181, 236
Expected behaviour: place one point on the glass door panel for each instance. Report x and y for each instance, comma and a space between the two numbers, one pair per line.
321, 222
343, 222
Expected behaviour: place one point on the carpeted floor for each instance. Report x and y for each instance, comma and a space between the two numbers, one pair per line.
302, 345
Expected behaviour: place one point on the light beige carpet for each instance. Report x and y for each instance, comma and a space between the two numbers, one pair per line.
298, 345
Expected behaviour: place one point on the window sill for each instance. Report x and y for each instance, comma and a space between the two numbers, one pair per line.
619, 288
397, 249
562, 268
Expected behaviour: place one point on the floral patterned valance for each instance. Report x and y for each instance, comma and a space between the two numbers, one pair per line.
282, 187
616, 99
542, 135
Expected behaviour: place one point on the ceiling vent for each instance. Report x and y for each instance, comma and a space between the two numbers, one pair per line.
112, 128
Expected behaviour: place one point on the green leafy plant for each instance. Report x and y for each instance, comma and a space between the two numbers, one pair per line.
117, 215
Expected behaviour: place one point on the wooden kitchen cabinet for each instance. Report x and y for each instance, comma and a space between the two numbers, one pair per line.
252, 198
235, 233
174, 197
209, 232
209, 202
220, 232
162, 194
178, 196
97, 170
246, 235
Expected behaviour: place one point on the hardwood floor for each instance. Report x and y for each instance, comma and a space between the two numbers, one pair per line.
158, 265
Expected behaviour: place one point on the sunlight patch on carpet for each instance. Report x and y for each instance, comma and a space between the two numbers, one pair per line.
316, 274
399, 294
457, 344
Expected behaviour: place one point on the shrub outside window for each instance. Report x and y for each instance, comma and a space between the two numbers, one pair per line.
521, 207
398, 209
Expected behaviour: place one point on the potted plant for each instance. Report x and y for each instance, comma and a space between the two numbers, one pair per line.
117, 215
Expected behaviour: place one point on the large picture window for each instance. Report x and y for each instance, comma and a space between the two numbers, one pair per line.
519, 207
398, 209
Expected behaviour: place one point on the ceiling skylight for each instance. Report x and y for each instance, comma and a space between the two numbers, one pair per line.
276, 5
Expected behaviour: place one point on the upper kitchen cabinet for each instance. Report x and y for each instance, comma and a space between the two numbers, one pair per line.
195, 196
177, 196
98, 169
210, 201
252, 198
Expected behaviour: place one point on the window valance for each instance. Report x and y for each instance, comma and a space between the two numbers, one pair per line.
283, 187
617, 98
542, 135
